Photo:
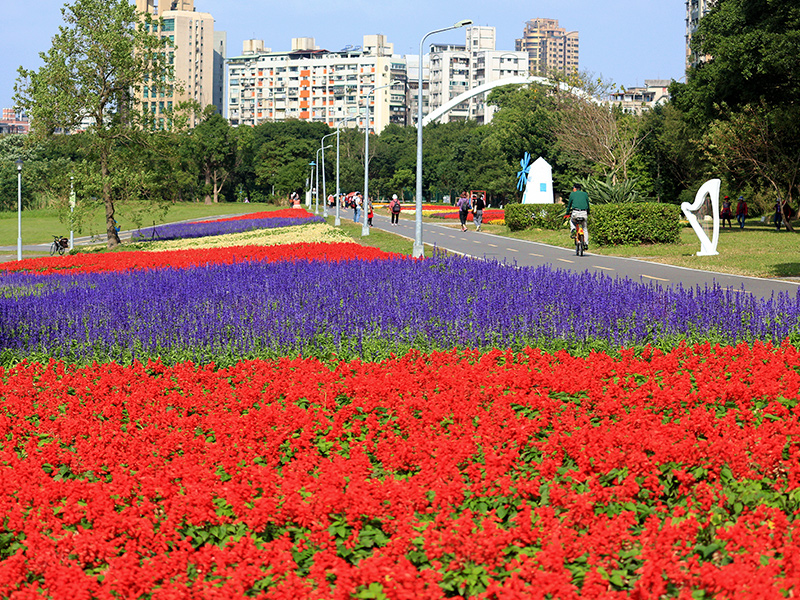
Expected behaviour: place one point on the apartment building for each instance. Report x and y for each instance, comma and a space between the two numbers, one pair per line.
695, 10
192, 58
454, 69
637, 99
549, 47
312, 84
14, 122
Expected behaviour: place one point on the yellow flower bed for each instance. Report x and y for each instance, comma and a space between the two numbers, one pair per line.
313, 232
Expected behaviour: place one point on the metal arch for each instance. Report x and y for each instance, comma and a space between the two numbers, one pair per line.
483, 88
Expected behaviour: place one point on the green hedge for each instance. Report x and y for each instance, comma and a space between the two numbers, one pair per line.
609, 224
635, 223
543, 216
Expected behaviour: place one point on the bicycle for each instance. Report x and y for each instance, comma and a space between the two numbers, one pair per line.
59, 245
579, 220
580, 241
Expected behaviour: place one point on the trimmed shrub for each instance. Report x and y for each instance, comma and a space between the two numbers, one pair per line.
636, 223
544, 216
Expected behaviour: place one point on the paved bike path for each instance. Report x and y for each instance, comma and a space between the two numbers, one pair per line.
526, 253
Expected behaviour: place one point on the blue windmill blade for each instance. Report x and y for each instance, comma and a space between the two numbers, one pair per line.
522, 176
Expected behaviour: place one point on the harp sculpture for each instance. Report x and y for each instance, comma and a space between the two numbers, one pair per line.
710, 188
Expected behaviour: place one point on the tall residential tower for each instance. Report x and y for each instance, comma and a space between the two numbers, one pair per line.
455, 69
197, 75
549, 47
695, 10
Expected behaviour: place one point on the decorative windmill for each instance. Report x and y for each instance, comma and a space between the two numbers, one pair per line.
522, 176
535, 181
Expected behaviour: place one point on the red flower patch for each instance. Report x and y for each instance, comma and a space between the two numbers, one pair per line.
442, 475
285, 213
183, 259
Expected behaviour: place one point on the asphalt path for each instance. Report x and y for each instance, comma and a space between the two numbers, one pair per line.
524, 254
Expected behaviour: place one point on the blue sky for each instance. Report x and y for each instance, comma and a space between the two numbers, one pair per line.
624, 41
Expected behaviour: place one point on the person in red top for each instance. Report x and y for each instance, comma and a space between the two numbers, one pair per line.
741, 212
726, 212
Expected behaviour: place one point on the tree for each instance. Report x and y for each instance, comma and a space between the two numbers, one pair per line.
598, 133
525, 122
752, 48
98, 63
760, 143
215, 148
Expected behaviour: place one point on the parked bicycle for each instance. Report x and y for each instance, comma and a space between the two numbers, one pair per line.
60, 245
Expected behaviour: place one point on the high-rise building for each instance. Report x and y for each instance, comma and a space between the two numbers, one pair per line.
549, 47
220, 52
317, 85
695, 10
192, 57
454, 69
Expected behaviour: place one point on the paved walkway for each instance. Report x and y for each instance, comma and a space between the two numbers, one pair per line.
525, 253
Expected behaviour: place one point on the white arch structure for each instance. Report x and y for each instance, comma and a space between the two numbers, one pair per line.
483, 88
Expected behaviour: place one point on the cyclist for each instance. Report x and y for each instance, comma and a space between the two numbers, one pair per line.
578, 208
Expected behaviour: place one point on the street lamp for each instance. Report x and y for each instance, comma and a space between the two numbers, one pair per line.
338, 221
324, 187
419, 250
71, 211
322, 149
312, 164
365, 226
18, 162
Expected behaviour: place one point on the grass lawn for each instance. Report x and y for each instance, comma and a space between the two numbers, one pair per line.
389, 242
39, 226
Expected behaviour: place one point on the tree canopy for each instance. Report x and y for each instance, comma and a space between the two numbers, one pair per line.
99, 60
751, 49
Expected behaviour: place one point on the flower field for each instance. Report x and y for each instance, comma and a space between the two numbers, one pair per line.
494, 475
236, 224
331, 421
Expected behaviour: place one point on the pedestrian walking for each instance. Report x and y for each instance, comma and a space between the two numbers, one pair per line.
464, 206
741, 212
370, 211
778, 218
480, 204
357, 202
726, 212
395, 208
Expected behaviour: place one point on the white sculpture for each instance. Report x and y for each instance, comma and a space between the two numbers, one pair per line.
710, 188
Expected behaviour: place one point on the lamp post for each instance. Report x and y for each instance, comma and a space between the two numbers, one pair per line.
71, 211
312, 164
338, 221
322, 149
324, 187
18, 162
365, 225
419, 250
